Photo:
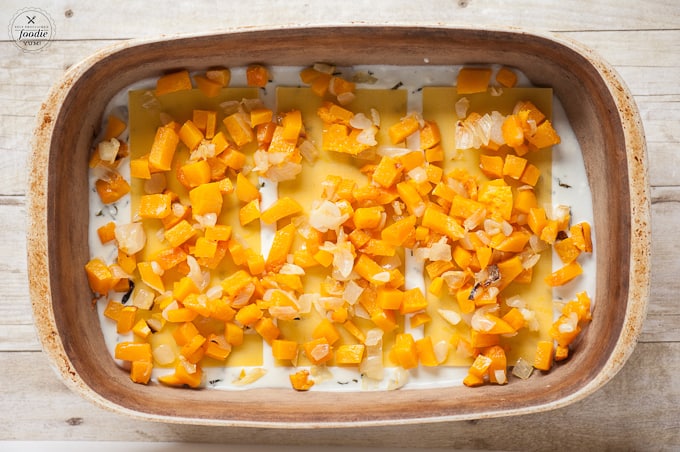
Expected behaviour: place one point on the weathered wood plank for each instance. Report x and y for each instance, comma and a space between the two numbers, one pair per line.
601, 421
74, 21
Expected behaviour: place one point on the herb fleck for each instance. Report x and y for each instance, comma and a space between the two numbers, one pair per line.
562, 184
398, 85
127, 295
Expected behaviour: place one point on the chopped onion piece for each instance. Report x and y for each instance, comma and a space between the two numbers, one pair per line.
283, 172
360, 121
324, 68
346, 97
308, 151
367, 136
480, 321
283, 312
214, 292
108, 150
441, 350
418, 174
506, 228
462, 106
491, 227
352, 292
250, 377
382, 277
130, 237
243, 297
163, 354
326, 215
475, 219
170, 307
372, 364
291, 269
450, 316
143, 298
320, 351
399, 378
393, 151
522, 369
495, 91
501, 377
375, 117
305, 302
536, 244
156, 184
178, 209
320, 373
515, 301
454, 279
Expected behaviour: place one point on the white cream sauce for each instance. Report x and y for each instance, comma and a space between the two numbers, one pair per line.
569, 187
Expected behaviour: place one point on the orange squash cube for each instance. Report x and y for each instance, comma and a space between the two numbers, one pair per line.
473, 80
170, 83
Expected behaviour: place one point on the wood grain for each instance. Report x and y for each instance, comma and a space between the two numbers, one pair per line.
599, 422
641, 40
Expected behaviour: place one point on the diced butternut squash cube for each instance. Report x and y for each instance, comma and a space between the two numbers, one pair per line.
442, 223
126, 319
208, 87
206, 198
404, 128
563, 275
404, 352
219, 75
249, 314
139, 168
246, 191
284, 349
140, 371
544, 136
106, 233
530, 175
398, 232
155, 206
544, 355
300, 380
506, 77
282, 207
170, 83
99, 276
512, 130
280, 248
133, 351
514, 166
249, 213
114, 127
473, 80
349, 353
179, 233
413, 301
190, 135
387, 172
112, 188
257, 75
239, 129
163, 149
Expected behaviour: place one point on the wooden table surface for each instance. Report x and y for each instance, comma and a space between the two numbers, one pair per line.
638, 409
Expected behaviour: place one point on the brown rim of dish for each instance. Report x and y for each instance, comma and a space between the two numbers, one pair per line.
579, 66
